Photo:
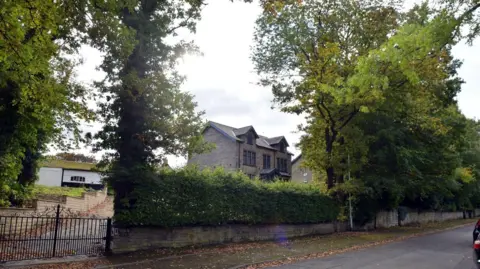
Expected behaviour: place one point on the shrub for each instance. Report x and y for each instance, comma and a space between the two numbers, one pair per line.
57, 191
192, 197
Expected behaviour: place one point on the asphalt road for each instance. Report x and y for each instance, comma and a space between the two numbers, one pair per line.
447, 250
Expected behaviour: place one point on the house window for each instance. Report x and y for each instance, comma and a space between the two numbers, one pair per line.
266, 161
282, 147
249, 158
282, 164
251, 176
250, 138
77, 179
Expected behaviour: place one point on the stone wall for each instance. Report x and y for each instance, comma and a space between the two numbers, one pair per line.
140, 238
46, 206
387, 219
81, 204
133, 239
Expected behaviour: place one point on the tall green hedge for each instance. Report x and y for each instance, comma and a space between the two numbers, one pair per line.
192, 197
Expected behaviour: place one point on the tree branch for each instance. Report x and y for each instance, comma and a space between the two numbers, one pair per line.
350, 117
320, 110
182, 24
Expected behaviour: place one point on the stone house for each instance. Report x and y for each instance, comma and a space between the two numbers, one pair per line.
243, 149
300, 174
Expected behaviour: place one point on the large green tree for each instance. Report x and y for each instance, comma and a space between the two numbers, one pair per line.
39, 103
333, 61
145, 115
307, 51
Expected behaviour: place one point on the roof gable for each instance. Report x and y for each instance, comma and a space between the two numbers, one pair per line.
276, 140
296, 158
234, 133
244, 130
224, 130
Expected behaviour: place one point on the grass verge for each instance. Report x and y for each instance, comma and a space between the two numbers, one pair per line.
39, 190
262, 254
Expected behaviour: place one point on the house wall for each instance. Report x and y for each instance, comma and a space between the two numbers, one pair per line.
229, 154
225, 153
300, 174
260, 151
287, 156
90, 177
50, 176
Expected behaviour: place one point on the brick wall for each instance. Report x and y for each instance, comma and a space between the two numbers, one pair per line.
133, 239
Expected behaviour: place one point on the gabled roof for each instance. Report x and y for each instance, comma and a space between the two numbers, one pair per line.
244, 130
224, 129
234, 133
276, 140
262, 141
296, 158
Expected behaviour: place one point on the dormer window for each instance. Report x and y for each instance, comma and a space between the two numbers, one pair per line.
282, 147
250, 138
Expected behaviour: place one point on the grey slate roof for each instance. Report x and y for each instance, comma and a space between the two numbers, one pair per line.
233, 133
276, 140
243, 130
262, 141
227, 130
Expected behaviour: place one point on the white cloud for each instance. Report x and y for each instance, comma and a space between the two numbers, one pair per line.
469, 97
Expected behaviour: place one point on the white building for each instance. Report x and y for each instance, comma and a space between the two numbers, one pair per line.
53, 175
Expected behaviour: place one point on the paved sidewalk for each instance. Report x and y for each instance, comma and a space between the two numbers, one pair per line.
447, 250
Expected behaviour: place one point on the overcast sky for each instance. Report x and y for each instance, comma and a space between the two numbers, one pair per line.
224, 82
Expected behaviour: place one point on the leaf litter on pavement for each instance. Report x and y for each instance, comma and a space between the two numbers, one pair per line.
258, 254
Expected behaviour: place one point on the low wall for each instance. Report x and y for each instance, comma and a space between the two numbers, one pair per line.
387, 219
139, 238
46, 206
81, 204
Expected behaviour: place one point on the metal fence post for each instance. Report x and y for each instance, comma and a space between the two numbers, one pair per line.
57, 220
108, 238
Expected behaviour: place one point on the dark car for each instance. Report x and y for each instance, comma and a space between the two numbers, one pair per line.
476, 253
476, 244
476, 230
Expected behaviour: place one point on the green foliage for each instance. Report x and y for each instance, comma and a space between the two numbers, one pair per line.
191, 197
376, 85
307, 52
145, 114
39, 103
57, 191
53, 162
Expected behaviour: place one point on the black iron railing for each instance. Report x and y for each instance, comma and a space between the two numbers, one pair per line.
23, 238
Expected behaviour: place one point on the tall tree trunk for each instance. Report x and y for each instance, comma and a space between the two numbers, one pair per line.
341, 177
132, 149
330, 136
